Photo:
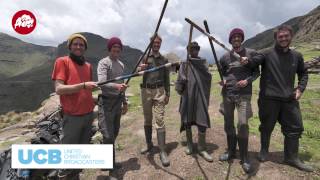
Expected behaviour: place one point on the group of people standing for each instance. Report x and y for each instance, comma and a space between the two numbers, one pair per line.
278, 97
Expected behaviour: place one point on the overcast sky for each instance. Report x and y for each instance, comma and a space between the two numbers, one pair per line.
134, 21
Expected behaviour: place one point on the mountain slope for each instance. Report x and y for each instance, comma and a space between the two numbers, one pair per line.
25, 69
97, 49
17, 57
306, 30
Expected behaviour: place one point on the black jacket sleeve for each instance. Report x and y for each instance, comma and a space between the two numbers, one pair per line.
224, 66
256, 60
255, 70
302, 74
254, 76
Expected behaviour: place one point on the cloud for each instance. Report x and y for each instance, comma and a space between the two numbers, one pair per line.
260, 27
172, 28
134, 21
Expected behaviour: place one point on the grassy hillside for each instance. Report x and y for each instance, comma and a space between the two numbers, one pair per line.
97, 49
306, 30
18, 57
25, 69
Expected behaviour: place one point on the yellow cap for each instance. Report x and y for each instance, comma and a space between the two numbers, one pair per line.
77, 35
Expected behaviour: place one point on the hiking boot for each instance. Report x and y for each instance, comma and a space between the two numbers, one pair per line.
161, 135
243, 149
243, 139
117, 165
291, 155
202, 147
68, 174
148, 136
264, 150
189, 150
112, 175
231, 152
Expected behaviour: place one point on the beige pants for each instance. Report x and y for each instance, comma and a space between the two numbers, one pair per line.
153, 103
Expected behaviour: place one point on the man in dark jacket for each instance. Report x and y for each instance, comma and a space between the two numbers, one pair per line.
193, 84
237, 92
278, 98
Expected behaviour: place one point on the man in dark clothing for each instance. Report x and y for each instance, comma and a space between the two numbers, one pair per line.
194, 84
278, 98
237, 92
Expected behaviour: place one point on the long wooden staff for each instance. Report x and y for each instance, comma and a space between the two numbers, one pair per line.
148, 49
213, 51
213, 38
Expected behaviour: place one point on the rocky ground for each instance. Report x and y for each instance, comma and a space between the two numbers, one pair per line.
137, 166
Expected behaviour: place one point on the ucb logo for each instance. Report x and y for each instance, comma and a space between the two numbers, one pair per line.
39, 156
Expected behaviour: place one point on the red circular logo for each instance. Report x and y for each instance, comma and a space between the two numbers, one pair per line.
24, 22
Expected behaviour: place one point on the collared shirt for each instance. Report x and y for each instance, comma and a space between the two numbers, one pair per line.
157, 77
109, 69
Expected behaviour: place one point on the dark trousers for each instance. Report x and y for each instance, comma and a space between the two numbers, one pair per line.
286, 113
243, 106
201, 129
109, 114
77, 129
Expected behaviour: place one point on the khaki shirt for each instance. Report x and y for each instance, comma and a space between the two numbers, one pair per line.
158, 77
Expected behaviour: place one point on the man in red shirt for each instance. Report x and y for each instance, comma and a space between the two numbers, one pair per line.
73, 82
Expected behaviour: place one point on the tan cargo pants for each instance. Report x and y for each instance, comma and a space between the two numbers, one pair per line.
153, 104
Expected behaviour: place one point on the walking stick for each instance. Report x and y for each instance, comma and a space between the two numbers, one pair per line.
187, 67
213, 51
213, 38
148, 49
140, 73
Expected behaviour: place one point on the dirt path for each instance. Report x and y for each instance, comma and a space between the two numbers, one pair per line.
137, 166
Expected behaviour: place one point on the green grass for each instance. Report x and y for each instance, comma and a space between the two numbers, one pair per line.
12, 118
308, 50
134, 89
24, 62
6, 144
198, 178
310, 109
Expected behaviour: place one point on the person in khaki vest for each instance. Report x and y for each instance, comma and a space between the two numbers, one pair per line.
155, 93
